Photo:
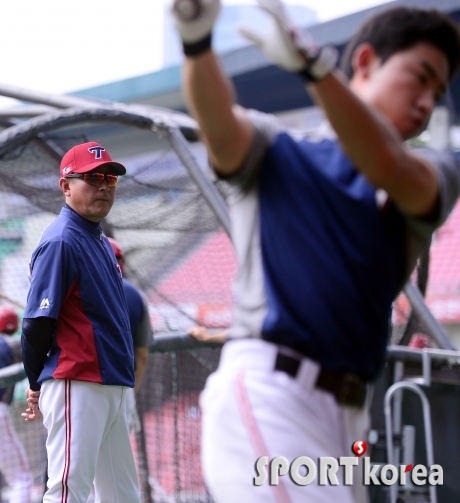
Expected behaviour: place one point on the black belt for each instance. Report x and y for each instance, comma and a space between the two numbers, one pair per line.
348, 388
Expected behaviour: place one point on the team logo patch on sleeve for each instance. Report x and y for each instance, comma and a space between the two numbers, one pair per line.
45, 304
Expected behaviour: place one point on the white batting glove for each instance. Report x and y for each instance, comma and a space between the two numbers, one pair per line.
194, 20
290, 48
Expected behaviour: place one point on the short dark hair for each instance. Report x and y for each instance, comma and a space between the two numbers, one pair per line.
401, 28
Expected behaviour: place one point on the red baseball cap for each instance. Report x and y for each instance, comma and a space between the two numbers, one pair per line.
86, 157
9, 320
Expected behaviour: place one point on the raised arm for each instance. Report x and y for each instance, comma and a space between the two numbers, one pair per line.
370, 134
209, 93
224, 126
372, 141
376, 147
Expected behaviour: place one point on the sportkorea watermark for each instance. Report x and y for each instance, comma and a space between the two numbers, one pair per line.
326, 470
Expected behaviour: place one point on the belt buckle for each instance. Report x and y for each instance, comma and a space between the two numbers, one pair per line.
352, 391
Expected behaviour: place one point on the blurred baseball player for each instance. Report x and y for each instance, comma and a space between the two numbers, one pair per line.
326, 229
76, 341
141, 330
14, 465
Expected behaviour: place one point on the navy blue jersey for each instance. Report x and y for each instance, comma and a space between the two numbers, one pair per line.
135, 306
322, 253
75, 279
321, 228
139, 317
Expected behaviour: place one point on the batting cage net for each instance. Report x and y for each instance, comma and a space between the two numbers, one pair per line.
174, 246
169, 408
176, 251
171, 221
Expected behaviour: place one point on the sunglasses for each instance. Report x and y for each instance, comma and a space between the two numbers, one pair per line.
96, 178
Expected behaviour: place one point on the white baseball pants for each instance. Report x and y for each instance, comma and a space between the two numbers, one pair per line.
13, 461
87, 441
249, 410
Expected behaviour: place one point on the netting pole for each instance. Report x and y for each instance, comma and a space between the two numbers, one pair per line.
52, 100
211, 195
432, 325
413, 323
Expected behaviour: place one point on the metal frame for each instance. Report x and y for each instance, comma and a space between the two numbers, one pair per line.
407, 385
141, 117
432, 325
393, 415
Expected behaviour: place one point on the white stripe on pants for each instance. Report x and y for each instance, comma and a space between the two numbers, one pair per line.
250, 410
87, 441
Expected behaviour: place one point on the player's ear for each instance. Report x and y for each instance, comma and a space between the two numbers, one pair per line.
364, 60
65, 186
